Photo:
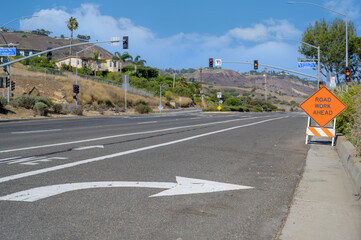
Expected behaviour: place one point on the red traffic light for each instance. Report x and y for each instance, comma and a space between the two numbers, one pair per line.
347, 72
211, 63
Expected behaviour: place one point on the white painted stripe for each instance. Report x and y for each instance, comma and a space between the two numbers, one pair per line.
73, 164
196, 118
147, 122
122, 135
8, 159
37, 131
88, 147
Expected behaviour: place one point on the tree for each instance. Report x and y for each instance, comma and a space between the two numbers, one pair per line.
331, 37
72, 25
139, 61
83, 37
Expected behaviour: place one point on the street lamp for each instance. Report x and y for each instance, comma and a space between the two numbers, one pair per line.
76, 71
318, 58
343, 14
2, 26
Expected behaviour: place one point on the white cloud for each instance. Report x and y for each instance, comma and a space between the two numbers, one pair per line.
270, 29
181, 50
349, 7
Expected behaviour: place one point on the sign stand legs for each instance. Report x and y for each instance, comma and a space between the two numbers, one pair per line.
334, 127
308, 125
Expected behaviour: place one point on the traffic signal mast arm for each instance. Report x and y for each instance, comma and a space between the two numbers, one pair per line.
269, 66
54, 49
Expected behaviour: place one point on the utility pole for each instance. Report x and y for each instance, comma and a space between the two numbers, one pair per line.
9, 80
200, 80
173, 79
265, 84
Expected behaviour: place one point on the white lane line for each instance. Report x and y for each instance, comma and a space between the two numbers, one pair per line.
122, 135
88, 147
147, 122
37, 131
196, 118
73, 164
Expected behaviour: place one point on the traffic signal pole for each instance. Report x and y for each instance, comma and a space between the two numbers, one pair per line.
269, 66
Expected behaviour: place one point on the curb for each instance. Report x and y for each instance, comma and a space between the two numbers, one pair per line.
346, 151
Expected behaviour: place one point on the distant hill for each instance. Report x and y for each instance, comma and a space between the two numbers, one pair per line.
32, 41
281, 87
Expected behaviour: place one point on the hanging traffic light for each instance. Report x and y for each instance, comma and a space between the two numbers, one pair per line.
348, 75
49, 56
211, 63
1, 83
255, 64
12, 85
125, 42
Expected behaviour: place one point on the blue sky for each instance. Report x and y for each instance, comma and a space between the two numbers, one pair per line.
184, 34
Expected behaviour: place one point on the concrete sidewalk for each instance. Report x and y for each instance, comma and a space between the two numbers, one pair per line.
325, 205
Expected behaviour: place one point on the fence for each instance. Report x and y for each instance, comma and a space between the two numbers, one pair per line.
57, 72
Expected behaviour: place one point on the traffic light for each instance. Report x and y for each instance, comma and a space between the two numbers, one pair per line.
211, 63
75, 97
75, 88
5, 68
348, 75
1, 83
125, 42
49, 56
12, 85
320, 84
7, 82
255, 64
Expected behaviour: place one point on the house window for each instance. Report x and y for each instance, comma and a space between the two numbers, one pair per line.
110, 63
115, 64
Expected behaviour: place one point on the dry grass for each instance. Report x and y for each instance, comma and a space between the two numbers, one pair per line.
60, 89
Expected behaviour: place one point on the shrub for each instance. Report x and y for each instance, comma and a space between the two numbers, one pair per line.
26, 101
141, 108
73, 109
3, 102
41, 109
57, 108
44, 100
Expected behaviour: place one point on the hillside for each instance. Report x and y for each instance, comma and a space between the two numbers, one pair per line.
280, 87
31, 41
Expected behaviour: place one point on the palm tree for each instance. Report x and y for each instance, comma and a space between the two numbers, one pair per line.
138, 61
72, 25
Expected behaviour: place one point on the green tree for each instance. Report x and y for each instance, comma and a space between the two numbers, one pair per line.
139, 61
72, 25
331, 37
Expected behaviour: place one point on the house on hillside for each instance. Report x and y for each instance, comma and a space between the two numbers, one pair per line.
100, 65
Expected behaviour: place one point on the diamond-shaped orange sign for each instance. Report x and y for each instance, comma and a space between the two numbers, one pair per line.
323, 106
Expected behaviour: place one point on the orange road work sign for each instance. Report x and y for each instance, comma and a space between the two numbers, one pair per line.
323, 106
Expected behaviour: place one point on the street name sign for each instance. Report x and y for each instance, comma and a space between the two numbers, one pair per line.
304, 65
323, 106
7, 51
218, 62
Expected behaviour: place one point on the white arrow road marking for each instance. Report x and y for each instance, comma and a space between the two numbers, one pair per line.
101, 158
183, 186
88, 147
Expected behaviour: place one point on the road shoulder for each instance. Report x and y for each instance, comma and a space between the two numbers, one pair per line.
324, 206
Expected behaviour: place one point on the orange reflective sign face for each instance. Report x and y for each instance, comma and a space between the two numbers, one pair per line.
323, 106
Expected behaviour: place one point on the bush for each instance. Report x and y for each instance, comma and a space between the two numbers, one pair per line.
41, 109
141, 108
73, 109
3, 102
44, 100
57, 108
26, 101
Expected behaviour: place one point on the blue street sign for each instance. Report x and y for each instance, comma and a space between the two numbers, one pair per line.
7, 51
304, 65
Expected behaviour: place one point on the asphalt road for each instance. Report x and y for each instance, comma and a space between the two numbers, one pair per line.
142, 177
